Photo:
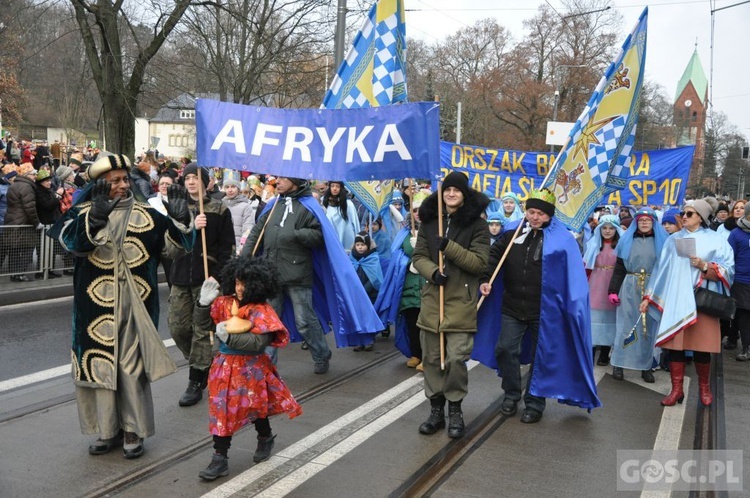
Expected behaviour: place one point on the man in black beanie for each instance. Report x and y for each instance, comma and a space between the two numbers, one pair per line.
187, 278
465, 244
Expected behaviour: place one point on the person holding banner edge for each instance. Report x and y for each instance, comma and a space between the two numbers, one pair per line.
465, 246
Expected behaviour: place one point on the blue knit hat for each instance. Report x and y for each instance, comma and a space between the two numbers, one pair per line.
670, 216
496, 217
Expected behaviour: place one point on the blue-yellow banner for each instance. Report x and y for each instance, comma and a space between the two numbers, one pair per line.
656, 177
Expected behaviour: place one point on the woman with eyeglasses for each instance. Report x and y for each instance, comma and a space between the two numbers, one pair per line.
637, 253
670, 298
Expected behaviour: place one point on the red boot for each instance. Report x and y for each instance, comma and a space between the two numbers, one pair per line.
677, 373
704, 385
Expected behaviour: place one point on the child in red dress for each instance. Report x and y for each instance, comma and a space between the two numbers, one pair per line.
243, 384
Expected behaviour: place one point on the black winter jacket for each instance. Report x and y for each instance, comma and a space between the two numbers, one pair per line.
522, 274
187, 268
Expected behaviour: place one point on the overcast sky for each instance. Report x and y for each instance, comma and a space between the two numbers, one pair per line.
673, 28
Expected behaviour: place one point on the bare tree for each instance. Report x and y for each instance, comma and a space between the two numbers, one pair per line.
106, 27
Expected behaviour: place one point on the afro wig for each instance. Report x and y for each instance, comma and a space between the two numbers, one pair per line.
259, 275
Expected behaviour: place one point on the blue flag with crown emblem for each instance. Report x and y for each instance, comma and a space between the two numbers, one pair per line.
371, 75
594, 160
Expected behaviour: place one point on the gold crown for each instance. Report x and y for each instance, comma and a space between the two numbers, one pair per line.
543, 195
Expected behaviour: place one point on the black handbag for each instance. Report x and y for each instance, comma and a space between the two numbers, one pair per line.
714, 304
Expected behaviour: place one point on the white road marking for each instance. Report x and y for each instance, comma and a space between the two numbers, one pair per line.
45, 302
43, 375
295, 479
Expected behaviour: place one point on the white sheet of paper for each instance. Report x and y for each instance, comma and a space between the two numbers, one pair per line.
685, 247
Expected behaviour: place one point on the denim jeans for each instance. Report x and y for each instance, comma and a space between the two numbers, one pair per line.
508, 352
305, 319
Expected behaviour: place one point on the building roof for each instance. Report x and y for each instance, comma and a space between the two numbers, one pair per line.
694, 74
170, 112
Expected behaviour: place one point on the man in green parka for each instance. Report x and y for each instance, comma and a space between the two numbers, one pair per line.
465, 243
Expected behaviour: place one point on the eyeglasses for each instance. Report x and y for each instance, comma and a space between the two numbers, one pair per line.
687, 214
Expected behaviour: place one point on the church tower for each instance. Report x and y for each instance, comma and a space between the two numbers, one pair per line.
690, 110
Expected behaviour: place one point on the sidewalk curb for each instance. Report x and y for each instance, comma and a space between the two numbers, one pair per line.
17, 294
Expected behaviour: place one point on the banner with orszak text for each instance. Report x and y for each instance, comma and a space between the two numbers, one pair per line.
656, 177
324, 144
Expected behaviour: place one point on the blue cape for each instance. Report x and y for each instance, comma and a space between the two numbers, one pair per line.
371, 265
338, 296
670, 288
562, 366
389, 297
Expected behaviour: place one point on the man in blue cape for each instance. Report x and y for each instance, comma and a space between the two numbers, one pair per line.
316, 288
544, 296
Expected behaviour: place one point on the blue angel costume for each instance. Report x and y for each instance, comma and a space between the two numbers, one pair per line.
338, 297
670, 290
389, 298
637, 257
562, 365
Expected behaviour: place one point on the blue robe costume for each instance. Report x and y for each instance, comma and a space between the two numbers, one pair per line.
371, 266
345, 229
562, 366
338, 296
670, 290
389, 297
635, 341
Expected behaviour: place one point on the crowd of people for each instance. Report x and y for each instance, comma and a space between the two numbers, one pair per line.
256, 261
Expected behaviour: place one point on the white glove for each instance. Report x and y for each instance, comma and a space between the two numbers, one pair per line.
209, 291
413, 241
221, 332
412, 269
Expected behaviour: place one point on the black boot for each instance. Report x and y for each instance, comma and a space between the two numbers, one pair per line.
219, 466
196, 385
603, 356
436, 421
263, 451
455, 420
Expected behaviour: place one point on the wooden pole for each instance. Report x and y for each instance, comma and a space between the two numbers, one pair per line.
502, 260
441, 291
411, 207
203, 236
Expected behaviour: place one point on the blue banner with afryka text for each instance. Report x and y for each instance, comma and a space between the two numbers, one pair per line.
656, 177
373, 143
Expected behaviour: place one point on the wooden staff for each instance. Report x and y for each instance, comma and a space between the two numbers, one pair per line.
265, 224
411, 207
441, 292
502, 260
203, 237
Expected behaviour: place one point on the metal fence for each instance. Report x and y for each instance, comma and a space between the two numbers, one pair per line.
25, 251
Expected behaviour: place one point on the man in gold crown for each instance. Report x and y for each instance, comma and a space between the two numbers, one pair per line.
543, 293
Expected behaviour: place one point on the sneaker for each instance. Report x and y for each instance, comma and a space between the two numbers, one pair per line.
744, 354
133, 445
102, 446
219, 466
420, 367
263, 451
322, 367
304, 346
413, 362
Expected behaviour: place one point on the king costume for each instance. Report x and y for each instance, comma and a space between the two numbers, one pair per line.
562, 366
117, 351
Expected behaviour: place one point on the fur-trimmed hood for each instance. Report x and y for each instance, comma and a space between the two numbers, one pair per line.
474, 205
